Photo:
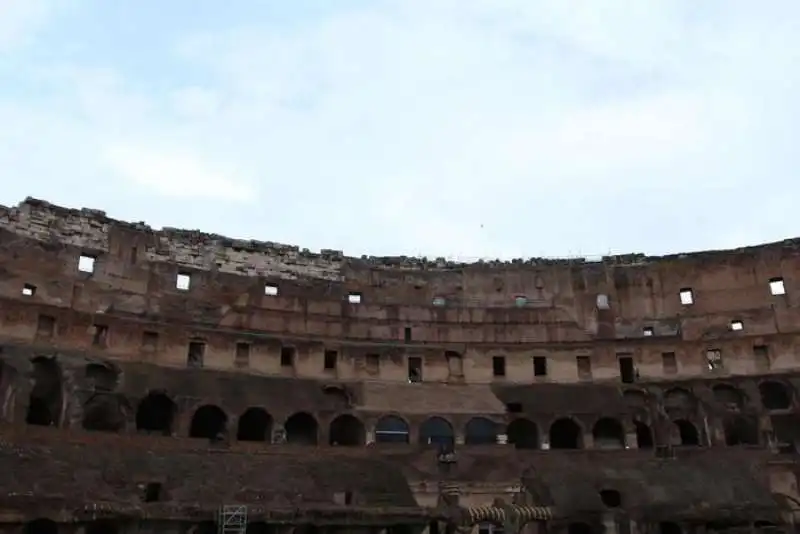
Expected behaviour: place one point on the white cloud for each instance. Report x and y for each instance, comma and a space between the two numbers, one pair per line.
469, 127
19, 20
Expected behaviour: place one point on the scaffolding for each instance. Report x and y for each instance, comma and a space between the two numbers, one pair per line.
232, 519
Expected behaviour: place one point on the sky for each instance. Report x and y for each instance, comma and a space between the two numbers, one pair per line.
458, 128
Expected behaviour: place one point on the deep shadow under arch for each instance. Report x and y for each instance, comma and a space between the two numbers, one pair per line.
480, 431
523, 434
156, 414
209, 421
436, 431
391, 429
255, 424
301, 429
346, 430
565, 433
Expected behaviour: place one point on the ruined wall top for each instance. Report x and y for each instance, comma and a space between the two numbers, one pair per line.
90, 229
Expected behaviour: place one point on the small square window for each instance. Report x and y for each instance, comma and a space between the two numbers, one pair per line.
714, 359
647, 331
520, 301
287, 356
354, 298
737, 325
777, 287
28, 290
196, 354
439, 301
602, 302
687, 296
183, 281
149, 341
99, 335
241, 359
407, 334
86, 263
271, 290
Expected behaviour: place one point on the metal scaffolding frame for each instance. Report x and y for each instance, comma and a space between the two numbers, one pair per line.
232, 519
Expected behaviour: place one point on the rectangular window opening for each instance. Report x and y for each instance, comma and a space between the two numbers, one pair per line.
761, 357
183, 281
287, 356
687, 296
29, 290
134, 255
520, 301
86, 263
627, 372
669, 363
439, 301
584, 367
414, 369
271, 290
99, 335
776, 286
354, 298
737, 325
407, 334
152, 492
499, 366
514, 407
242, 357
149, 341
539, 366
373, 363
195, 354
714, 359
330, 357
647, 331
46, 326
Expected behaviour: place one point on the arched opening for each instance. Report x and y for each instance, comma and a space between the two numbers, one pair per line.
301, 429
644, 436
774, 395
480, 431
346, 430
209, 422
436, 431
740, 431
687, 433
523, 434
728, 396
391, 429
608, 433
40, 526
101, 377
611, 498
103, 412
668, 527
490, 528
678, 399
44, 404
101, 526
155, 414
565, 434
255, 424
579, 528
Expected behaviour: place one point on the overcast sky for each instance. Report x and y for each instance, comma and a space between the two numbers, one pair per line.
465, 128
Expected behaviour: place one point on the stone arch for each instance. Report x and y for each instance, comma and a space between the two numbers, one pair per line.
644, 435
480, 431
436, 431
775, 395
687, 432
46, 397
104, 412
255, 424
740, 430
40, 526
209, 421
565, 433
728, 396
523, 434
608, 433
156, 413
302, 429
679, 399
391, 429
610, 498
346, 430
101, 377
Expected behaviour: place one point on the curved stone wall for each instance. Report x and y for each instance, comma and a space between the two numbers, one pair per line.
113, 327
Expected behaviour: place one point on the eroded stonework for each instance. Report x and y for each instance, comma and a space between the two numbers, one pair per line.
169, 380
